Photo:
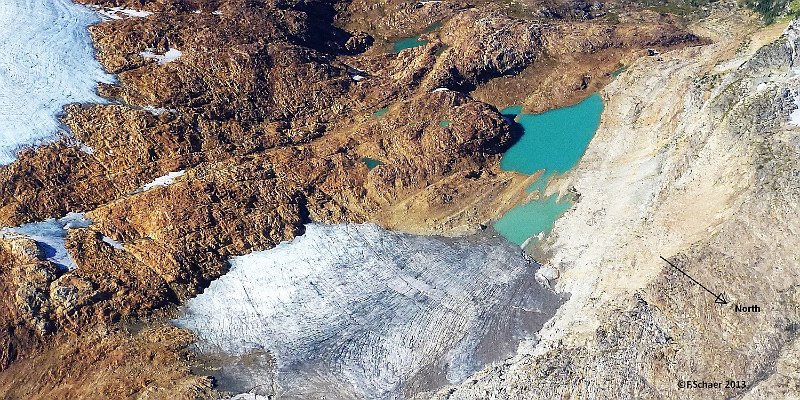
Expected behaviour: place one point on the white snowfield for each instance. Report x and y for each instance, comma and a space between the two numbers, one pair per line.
46, 61
355, 311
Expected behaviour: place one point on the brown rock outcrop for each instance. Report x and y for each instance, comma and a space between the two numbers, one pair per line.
25, 312
147, 364
479, 46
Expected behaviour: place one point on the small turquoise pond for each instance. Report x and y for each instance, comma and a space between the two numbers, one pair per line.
444, 123
381, 112
371, 162
553, 142
415, 41
408, 43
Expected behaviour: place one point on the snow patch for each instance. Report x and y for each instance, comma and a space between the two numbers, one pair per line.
86, 148
50, 235
161, 181
171, 55
114, 13
441, 89
156, 111
794, 117
356, 74
792, 33
46, 61
113, 243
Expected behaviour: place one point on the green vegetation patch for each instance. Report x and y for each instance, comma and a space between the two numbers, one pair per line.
770, 10
794, 8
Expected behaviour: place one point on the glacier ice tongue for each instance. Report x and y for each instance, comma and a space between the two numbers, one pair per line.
355, 311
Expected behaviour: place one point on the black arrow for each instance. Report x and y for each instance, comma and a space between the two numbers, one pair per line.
718, 298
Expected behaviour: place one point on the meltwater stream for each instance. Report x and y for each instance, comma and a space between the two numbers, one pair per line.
46, 61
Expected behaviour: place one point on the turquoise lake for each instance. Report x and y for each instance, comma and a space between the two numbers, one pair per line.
408, 43
552, 142
555, 140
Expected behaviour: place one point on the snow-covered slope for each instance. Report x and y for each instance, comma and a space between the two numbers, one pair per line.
355, 311
46, 61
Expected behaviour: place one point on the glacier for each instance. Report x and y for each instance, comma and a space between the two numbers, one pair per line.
355, 311
46, 61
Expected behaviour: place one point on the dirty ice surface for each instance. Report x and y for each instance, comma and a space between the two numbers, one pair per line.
354, 311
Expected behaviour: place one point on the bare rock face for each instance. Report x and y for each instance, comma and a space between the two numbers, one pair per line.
573, 9
254, 202
784, 382
574, 60
420, 151
479, 47
25, 314
32, 293
148, 364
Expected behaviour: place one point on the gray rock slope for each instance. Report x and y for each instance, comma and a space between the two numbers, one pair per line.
697, 159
